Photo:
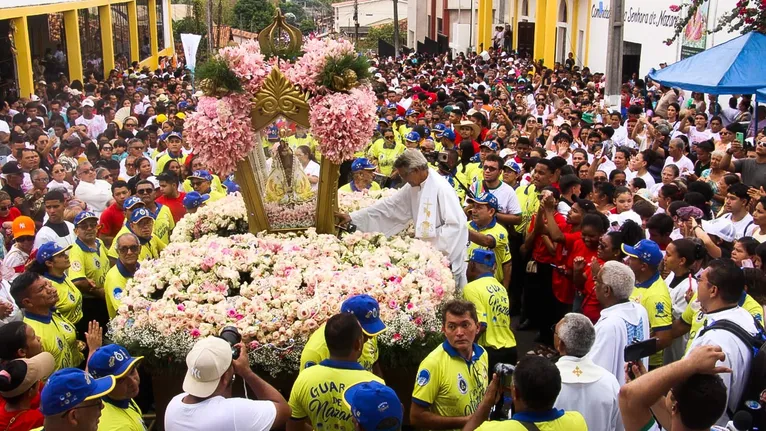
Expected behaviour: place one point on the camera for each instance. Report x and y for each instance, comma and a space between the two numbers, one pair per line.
431, 156
505, 372
233, 337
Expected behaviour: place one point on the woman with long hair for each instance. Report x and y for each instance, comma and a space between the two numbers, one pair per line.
681, 258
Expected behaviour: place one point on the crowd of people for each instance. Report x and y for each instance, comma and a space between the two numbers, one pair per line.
608, 229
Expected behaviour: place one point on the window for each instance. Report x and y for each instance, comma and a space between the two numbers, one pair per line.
121, 33
428, 31
563, 11
440, 25
525, 8
160, 24
90, 41
144, 39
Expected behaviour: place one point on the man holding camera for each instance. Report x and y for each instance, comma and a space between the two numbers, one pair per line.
452, 379
206, 403
536, 385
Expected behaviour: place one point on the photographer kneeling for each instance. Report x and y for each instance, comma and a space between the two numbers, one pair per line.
536, 385
206, 403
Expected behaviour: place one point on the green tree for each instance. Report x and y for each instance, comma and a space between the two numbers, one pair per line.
252, 15
385, 32
307, 26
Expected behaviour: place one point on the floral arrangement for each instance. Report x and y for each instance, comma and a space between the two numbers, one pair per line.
228, 216
746, 16
292, 216
341, 105
277, 289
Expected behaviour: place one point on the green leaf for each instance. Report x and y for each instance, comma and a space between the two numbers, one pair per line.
220, 74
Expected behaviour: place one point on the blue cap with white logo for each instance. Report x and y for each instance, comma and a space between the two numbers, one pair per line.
367, 311
69, 387
383, 120
173, 135
111, 360
194, 199
399, 118
439, 128
84, 215
410, 112
485, 199
511, 164
426, 131
49, 250
131, 201
362, 164
492, 145
448, 134
412, 137
371, 403
484, 257
646, 251
203, 175
139, 214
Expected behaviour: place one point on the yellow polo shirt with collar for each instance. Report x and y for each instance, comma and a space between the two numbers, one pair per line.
316, 351
88, 263
494, 311
70, 298
114, 287
114, 417
164, 223
502, 249
555, 420
58, 337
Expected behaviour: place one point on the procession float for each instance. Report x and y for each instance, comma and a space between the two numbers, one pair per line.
271, 262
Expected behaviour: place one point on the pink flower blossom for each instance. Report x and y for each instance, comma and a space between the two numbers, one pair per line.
181, 307
674, 8
343, 123
397, 337
247, 62
195, 333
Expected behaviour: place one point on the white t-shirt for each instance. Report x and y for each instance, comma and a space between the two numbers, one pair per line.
5, 296
740, 227
95, 125
619, 325
695, 136
220, 414
312, 170
648, 179
677, 348
684, 164
54, 185
97, 195
738, 356
507, 201
4, 127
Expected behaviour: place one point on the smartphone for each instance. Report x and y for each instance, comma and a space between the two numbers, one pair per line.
539, 120
741, 138
639, 350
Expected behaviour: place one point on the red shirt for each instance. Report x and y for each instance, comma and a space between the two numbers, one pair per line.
112, 220
176, 205
540, 252
590, 305
12, 214
26, 419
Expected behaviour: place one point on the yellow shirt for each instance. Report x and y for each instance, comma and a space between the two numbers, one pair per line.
318, 394
448, 385
695, 317
58, 337
555, 420
149, 249
88, 263
114, 287
385, 157
163, 223
474, 172
165, 158
348, 187
493, 308
502, 250
70, 298
117, 418
529, 203
654, 296
316, 351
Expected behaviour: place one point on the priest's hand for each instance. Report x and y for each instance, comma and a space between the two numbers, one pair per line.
343, 218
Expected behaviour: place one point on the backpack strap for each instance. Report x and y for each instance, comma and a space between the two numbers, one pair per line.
530, 426
753, 342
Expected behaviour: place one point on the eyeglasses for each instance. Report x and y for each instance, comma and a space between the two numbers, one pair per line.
196, 183
130, 125
761, 143
136, 148
41, 179
59, 171
599, 179
87, 171
98, 404
128, 249
620, 182
106, 148
25, 239
144, 191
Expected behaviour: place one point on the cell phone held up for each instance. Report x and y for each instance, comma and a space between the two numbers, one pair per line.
637, 351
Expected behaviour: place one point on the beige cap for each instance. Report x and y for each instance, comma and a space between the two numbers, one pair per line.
207, 362
39, 367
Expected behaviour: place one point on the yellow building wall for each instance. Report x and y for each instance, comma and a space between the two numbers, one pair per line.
23, 56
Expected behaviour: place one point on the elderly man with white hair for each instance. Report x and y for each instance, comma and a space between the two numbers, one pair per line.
96, 193
585, 387
427, 199
622, 321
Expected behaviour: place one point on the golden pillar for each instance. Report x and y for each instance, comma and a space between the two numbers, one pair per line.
133, 31
107, 37
551, 28
23, 56
153, 39
484, 28
540, 32
73, 49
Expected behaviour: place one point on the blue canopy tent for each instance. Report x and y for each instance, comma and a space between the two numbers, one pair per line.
733, 67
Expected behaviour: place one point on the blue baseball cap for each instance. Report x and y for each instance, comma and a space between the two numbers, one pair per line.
69, 387
492, 145
139, 214
484, 257
373, 402
362, 164
399, 118
412, 137
49, 250
84, 215
230, 184
511, 164
426, 131
410, 112
183, 104
391, 106
367, 311
448, 134
111, 360
646, 251
194, 199
439, 128
485, 199
131, 201
383, 120
203, 175
173, 135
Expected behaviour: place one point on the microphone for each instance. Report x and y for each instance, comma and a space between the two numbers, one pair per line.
743, 421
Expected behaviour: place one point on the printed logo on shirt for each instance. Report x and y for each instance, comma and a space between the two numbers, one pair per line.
59, 343
309, 364
97, 263
660, 311
117, 293
462, 385
76, 266
71, 297
66, 327
423, 377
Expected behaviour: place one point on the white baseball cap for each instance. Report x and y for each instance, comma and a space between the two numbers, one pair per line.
88, 102
207, 362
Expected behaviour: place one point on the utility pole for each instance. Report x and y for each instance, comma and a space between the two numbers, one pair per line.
210, 43
356, 22
470, 29
396, 28
614, 53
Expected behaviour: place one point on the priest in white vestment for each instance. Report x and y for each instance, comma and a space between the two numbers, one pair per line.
585, 387
428, 200
622, 322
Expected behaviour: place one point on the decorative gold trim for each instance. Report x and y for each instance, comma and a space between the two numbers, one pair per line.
256, 216
279, 97
275, 30
328, 197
